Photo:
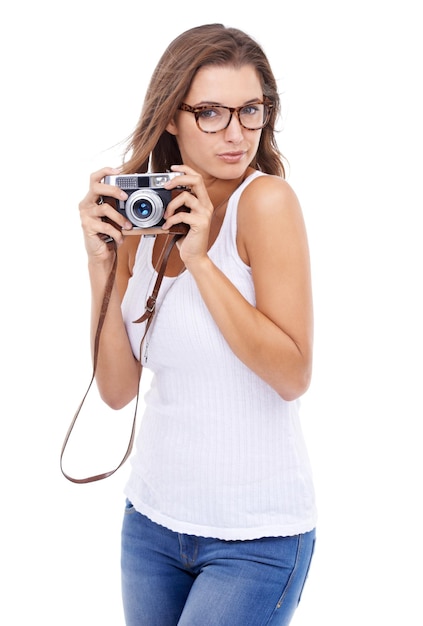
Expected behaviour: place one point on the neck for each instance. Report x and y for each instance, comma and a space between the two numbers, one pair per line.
220, 196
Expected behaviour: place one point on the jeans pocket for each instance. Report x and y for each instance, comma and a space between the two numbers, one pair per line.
129, 507
307, 570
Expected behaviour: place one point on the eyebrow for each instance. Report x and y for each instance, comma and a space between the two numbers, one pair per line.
219, 104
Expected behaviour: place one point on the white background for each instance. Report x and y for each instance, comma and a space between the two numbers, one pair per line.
73, 80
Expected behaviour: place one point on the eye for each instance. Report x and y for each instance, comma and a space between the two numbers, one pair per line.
251, 109
209, 113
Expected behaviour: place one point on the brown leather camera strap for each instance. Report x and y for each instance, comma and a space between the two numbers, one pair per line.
178, 231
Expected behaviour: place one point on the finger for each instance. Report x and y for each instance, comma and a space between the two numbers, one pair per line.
94, 215
106, 230
188, 178
196, 221
97, 187
99, 191
183, 202
97, 176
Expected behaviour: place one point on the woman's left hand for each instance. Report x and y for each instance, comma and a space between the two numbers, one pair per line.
193, 247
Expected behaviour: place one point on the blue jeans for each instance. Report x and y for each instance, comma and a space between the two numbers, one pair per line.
171, 579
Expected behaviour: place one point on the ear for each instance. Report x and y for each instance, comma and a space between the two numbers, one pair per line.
172, 128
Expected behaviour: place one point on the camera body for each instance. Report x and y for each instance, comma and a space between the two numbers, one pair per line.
147, 200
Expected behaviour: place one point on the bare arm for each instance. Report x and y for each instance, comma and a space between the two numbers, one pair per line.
118, 371
274, 338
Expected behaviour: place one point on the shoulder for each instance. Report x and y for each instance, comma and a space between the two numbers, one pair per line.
268, 211
267, 193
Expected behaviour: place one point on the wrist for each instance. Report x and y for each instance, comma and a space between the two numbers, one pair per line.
100, 267
200, 267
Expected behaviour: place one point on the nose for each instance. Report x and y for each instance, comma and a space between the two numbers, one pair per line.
233, 132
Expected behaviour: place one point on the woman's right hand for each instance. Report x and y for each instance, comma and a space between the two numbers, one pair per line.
92, 211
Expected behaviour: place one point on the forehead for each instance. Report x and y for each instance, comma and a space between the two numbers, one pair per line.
225, 85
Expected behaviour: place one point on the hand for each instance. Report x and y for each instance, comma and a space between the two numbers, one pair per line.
194, 245
92, 212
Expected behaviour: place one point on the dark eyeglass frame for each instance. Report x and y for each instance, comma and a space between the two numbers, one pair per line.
268, 104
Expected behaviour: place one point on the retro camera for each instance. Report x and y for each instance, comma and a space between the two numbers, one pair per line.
147, 200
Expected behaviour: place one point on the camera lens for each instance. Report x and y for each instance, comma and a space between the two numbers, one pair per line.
144, 208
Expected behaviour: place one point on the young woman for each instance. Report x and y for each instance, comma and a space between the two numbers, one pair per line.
219, 525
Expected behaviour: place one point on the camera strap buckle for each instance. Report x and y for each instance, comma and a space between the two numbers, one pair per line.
150, 307
151, 304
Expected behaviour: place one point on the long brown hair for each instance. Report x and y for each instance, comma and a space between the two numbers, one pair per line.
151, 147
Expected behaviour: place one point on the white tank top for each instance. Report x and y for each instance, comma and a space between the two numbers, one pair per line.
218, 453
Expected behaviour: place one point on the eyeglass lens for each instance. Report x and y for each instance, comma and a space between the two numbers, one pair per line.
215, 118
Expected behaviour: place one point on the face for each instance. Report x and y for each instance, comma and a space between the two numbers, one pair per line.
226, 154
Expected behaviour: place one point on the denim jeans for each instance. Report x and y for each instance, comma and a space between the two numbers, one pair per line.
171, 579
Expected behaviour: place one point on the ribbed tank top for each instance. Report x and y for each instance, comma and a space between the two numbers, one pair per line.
218, 452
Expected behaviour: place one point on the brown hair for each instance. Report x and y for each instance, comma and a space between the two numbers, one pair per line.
151, 147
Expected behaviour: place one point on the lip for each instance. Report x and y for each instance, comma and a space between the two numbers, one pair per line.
232, 157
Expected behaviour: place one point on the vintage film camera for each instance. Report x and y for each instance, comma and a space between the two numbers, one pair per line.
147, 200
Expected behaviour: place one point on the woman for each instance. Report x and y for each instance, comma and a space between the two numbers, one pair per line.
220, 517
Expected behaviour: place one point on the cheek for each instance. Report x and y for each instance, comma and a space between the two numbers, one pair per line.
194, 146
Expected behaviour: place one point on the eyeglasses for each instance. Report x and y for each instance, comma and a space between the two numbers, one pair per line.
212, 118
